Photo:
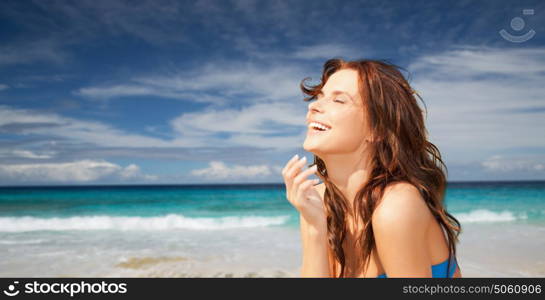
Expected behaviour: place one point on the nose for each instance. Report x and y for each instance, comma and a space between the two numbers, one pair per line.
314, 106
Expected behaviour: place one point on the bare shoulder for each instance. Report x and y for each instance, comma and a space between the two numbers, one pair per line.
400, 227
401, 204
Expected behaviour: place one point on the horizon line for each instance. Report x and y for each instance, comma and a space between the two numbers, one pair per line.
232, 184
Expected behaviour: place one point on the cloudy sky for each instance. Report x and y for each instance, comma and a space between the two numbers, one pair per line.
96, 92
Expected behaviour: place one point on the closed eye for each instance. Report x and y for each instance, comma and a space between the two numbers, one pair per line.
337, 100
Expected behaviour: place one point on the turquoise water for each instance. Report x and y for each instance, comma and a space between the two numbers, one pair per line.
214, 206
522, 202
89, 231
144, 201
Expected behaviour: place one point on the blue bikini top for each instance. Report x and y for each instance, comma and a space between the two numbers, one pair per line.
438, 270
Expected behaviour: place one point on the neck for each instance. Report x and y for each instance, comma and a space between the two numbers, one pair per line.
348, 171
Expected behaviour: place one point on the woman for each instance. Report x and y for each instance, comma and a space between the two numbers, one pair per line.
379, 211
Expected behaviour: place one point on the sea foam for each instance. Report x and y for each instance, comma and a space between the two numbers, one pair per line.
484, 215
167, 222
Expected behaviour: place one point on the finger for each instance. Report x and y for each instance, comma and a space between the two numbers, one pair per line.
286, 171
303, 175
302, 190
295, 168
289, 163
287, 182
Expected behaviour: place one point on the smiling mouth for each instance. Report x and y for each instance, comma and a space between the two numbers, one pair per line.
314, 126
311, 129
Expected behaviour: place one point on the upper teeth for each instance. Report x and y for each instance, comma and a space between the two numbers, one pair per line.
318, 125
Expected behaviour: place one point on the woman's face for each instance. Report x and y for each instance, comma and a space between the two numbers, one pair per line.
340, 108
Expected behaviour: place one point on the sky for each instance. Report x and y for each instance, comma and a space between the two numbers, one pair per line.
189, 92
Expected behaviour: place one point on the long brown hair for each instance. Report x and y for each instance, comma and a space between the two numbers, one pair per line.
399, 152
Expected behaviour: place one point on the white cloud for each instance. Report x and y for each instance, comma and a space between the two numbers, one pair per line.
217, 83
133, 171
473, 61
319, 52
76, 171
49, 124
275, 142
327, 51
276, 103
45, 50
483, 99
115, 91
32, 155
26, 154
3, 86
499, 163
218, 170
269, 125
259, 125
138, 90
264, 118
277, 169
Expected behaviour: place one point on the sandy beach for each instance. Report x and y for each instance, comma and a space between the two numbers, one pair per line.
485, 250
227, 232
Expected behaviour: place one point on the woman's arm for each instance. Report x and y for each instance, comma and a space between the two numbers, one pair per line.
400, 225
301, 193
315, 256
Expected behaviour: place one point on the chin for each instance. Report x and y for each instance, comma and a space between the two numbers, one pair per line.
309, 147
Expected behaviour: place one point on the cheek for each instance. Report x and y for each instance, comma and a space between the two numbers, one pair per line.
349, 133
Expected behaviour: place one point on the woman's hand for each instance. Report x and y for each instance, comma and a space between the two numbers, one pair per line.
302, 195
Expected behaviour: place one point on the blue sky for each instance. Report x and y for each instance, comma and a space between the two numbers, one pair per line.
95, 92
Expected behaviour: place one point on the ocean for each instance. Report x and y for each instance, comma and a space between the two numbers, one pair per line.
232, 230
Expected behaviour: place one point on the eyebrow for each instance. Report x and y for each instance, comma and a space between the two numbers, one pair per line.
337, 92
